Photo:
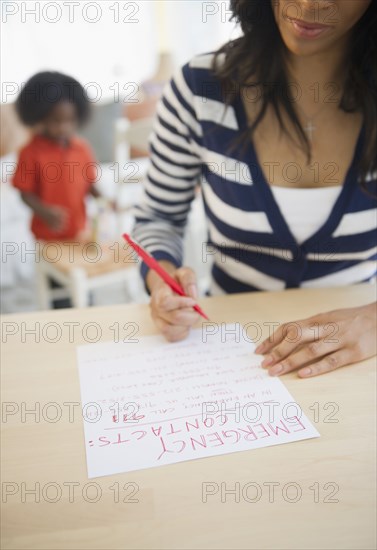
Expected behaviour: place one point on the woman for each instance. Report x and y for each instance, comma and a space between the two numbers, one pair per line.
279, 126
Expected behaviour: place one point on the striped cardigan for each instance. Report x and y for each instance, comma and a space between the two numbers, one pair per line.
248, 238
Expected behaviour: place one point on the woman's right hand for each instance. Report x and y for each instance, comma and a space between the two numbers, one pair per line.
173, 314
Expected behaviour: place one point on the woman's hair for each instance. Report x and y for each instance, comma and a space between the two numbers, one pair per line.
258, 57
44, 90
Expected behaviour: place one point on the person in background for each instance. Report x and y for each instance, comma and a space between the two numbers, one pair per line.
56, 169
279, 126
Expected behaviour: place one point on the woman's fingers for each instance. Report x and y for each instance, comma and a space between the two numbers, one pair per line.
181, 317
167, 301
328, 363
289, 330
309, 353
173, 333
303, 345
311, 333
284, 342
174, 309
173, 314
187, 279
321, 343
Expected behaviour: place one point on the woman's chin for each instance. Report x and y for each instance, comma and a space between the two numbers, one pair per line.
304, 48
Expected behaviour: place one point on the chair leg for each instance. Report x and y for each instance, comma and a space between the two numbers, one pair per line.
79, 288
43, 288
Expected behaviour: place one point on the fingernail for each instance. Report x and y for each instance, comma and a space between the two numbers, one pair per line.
277, 369
259, 349
305, 372
268, 360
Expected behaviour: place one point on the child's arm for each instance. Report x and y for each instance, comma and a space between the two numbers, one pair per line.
55, 217
25, 179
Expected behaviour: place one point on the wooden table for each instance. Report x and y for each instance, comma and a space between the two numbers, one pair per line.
335, 474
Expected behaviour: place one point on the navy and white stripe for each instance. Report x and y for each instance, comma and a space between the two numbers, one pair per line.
253, 248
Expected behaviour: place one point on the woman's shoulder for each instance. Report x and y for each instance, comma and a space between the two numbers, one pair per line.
201, 76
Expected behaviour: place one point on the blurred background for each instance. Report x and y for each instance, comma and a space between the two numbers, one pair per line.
123, 53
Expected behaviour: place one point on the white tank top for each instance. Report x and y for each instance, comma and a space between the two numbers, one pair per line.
305, 210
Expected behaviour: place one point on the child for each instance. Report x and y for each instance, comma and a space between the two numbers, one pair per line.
56, 170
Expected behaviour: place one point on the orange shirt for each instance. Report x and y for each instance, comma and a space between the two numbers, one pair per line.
59, 176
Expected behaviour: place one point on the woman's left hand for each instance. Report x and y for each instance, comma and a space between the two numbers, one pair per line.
321, 343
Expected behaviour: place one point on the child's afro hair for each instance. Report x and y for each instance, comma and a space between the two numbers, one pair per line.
44, 90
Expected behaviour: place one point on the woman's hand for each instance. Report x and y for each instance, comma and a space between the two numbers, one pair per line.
173, 314
321, 343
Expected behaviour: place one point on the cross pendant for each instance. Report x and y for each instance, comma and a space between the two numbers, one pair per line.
309, 129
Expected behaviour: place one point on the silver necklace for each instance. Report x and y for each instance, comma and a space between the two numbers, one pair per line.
309, 127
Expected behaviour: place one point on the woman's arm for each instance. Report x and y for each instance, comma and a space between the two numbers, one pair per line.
174, 172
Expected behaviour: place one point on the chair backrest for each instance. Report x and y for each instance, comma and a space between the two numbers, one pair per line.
132, 134
100, 129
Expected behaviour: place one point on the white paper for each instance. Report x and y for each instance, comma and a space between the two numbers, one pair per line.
150, 403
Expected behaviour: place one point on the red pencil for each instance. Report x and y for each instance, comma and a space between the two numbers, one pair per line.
153, 264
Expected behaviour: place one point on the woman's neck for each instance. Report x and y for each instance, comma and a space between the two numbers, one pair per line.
327, 67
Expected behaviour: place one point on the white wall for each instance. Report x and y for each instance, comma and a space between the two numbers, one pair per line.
197, 26
106, 42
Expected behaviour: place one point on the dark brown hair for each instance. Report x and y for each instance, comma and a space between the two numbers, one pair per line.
44, 90
258, 56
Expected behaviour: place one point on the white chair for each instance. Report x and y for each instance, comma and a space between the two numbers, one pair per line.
81, 268
129, 134
80, 276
